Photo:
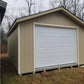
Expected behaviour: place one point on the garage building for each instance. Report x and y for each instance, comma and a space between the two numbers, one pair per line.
44, 40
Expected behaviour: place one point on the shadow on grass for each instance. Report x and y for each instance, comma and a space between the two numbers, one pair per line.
7, 67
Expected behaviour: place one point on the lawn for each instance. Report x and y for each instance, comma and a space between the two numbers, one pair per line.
63, 76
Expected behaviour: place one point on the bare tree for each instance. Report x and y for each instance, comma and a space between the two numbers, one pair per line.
82, 11
30, 3
72, 5
1, 34
40, 6
22, 12
54, 3
78, 9
67, 4
75, 6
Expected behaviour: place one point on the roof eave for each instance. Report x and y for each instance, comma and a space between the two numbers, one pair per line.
75, 18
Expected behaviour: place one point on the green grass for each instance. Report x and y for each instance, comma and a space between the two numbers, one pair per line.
64, 76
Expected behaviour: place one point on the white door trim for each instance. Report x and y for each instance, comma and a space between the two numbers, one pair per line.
60, 26
52, 25
19, 49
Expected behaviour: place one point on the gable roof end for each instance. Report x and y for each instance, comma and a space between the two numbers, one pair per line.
65, 11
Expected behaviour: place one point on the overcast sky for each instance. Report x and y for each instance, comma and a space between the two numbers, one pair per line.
14, 5
21, 3
18, 4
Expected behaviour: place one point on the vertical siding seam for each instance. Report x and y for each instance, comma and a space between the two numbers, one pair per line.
19, 49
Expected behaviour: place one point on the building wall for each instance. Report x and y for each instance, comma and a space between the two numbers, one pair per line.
27, 38
13, 48
26, 47
81, 45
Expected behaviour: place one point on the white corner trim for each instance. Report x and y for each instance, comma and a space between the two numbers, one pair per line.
18, 48
78, 45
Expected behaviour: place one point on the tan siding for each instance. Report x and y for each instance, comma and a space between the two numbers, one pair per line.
27, 37
26, 48
13, 48
56, 19
81, 45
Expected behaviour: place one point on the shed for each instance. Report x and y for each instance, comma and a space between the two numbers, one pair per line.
48, 39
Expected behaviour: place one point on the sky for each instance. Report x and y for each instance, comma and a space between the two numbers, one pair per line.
15, 6
19, 5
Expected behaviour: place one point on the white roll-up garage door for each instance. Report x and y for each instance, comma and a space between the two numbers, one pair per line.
54, 46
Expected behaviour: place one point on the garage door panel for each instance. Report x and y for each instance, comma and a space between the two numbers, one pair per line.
54, 46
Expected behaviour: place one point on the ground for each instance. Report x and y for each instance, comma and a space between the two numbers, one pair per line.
63, 76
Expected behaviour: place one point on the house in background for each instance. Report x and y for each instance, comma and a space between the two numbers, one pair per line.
46, 40
2, 12
2, 9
